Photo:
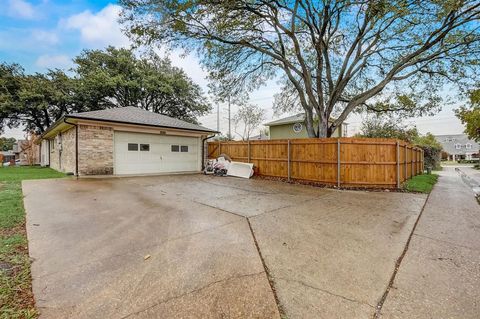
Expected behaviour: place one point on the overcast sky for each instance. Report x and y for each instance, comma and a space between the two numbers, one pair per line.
49, 33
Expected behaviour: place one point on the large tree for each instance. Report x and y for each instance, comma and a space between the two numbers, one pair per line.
34, 101
117, 78
101, 79
334, 57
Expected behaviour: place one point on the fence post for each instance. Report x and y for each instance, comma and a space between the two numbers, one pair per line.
219, 148
248, 151
423, 161
405, 162
398, 165
288, 160
411, 162
338, 162
416, 162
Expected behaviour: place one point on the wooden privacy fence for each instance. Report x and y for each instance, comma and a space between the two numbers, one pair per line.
347, 162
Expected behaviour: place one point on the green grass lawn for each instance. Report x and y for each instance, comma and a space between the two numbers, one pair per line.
16, 299
421, 183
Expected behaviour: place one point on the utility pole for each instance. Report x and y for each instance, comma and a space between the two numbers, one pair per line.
218, 117
229, 120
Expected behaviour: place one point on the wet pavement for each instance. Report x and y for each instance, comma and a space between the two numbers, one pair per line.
440, 274
471, 177
209, 241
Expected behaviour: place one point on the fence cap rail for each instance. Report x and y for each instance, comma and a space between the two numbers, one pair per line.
352, 140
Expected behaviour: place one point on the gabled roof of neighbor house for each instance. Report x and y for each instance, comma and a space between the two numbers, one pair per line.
449, 141
133, 115
300, 117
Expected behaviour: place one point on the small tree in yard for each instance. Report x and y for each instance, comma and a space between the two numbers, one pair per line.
28, 147
333, 57
378, 126
247, 119
387, 127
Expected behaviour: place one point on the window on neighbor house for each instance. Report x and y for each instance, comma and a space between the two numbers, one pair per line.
175, 148
184, 148
458, 146
144, 147
468, 146
132, 147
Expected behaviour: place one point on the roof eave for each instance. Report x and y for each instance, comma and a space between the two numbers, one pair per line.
139, 124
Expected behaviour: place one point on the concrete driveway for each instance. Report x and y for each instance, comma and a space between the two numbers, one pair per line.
218, 247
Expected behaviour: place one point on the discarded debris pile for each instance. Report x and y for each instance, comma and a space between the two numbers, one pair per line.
224, 166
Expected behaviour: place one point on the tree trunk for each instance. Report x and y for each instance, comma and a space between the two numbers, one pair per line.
323, 127
309, 123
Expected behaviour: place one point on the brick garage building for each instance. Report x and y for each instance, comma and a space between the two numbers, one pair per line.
123, 141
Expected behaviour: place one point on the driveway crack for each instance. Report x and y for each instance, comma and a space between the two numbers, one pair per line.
380, 303
267, 272
446, 242
191, 292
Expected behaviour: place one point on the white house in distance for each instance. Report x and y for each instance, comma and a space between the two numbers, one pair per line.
459, 147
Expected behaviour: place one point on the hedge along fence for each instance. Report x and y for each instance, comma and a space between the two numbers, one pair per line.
344, 162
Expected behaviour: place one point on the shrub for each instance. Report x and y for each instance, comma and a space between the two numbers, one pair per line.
432, 150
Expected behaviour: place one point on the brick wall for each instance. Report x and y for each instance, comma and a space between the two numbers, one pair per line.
95, 150
68, 151
62, 158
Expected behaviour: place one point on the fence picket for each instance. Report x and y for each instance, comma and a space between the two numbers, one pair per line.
363, 162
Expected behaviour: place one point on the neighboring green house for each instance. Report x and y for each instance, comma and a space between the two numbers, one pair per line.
294, 127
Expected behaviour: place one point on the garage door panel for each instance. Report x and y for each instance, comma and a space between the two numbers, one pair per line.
159, 158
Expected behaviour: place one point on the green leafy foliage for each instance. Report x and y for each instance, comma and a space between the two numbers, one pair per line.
6, 143
101, 79
470, 116
388, 127
432, 150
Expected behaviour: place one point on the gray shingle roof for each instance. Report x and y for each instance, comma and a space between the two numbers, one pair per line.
135, 115
452, 141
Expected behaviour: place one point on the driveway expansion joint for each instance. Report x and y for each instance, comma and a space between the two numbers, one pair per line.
326, 291
217, 208
139, 249
194, 291
446, 242
281, 311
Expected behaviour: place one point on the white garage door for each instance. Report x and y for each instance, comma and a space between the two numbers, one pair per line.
138, 153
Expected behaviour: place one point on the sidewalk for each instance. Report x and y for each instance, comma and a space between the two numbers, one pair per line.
439, 276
